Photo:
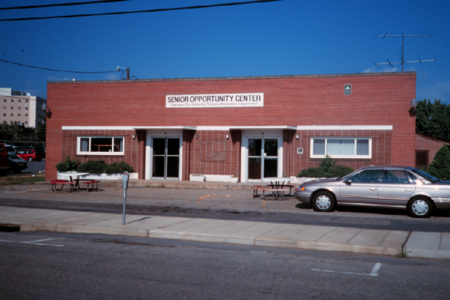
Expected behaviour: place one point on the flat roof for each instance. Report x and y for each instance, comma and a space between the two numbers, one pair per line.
242, 77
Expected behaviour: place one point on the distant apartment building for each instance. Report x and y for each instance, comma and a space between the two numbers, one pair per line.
21, 107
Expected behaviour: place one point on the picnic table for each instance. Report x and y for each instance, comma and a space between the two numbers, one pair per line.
275, 188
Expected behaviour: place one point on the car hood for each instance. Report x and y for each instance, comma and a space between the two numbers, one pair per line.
441, 182
321, 181
17, 160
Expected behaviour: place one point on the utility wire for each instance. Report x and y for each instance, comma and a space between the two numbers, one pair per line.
61, 4
54, 70
139, 11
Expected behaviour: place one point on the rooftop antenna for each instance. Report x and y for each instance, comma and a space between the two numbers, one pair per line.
403, 49
126, 69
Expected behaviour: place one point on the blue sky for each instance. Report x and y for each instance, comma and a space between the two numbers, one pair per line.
289, 37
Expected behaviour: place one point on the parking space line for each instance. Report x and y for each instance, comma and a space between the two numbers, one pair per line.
37, 242
374, 271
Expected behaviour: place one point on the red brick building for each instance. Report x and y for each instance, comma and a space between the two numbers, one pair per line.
248, 127
426, 148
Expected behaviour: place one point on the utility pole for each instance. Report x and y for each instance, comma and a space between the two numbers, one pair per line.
403, 49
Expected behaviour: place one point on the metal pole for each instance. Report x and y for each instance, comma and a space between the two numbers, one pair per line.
128, 73
124, 203
403, 50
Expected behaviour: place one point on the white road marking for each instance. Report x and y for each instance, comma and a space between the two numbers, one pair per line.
35, 242
374, 272
375, 269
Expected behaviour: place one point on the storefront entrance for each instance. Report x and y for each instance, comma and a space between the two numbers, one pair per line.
166, 158
262, 158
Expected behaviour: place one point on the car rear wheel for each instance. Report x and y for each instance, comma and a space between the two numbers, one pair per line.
420, 208
30, 158
324, 201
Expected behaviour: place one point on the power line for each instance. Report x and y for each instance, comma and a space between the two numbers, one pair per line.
54, 70
139, 11
61, 4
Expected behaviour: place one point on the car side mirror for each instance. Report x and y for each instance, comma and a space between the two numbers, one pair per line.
348, 181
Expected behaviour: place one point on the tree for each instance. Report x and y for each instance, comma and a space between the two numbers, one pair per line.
433, 119
440, 167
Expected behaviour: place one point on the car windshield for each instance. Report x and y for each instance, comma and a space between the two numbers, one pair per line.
13, 157
424, 175
347, 176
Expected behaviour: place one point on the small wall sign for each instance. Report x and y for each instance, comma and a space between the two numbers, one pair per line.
299, 150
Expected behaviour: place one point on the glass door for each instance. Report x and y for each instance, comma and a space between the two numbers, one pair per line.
262, 158
166, 158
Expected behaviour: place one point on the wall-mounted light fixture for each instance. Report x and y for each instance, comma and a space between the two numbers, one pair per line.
134, 136
228, 136
413, 104
297, 136
45, 109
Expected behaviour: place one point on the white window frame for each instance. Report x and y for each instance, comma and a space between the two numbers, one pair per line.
79, 152
341, 138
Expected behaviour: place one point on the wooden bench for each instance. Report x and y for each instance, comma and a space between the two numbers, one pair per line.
92, 182
54, 184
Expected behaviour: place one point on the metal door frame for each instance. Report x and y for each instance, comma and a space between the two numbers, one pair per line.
263, 157
166, 146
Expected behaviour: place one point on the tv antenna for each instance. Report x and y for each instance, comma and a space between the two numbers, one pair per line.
403, 49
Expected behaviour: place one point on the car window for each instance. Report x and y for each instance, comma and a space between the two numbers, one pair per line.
395, 177
424, 175
367, 176
21, 152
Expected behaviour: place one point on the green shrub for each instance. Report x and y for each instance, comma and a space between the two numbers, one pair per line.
440, 167
327, 168
97, 166
68, 165
119, 167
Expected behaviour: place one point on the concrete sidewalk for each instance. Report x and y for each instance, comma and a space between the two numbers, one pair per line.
382, 242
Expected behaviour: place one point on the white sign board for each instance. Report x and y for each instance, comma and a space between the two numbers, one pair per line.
299, 150
215, 100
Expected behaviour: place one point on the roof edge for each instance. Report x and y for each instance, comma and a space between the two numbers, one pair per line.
241, 77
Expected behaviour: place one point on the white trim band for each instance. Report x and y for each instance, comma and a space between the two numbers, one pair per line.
200, 128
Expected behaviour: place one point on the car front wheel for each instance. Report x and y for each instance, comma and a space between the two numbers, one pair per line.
420, 208
324, 201
30, 158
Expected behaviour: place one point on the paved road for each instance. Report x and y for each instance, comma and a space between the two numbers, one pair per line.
35, 166
62, 266
218, 204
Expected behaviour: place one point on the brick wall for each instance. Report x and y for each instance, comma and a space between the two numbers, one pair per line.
377, 99
134, 154
293, 163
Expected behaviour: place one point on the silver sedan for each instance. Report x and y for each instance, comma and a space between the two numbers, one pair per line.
379, 186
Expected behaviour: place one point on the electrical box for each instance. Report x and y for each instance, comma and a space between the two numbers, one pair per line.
299, 150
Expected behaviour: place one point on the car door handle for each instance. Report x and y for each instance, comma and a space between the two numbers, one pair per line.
408, 190
373, 189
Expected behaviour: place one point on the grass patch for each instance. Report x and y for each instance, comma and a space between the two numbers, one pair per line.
16, 180
402, 254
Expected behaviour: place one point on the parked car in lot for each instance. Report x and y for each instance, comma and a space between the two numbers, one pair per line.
379, 186
4, 167
12, 150
16, 164
31, 154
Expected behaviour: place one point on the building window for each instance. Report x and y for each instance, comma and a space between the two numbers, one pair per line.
11, 122
26, 122
337, 147
18, 100
4, 100
98, 145
26, 115
26, 107
19, 107
12, 107
18, 115
4, 115
26, 101
12, 115
12, 100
